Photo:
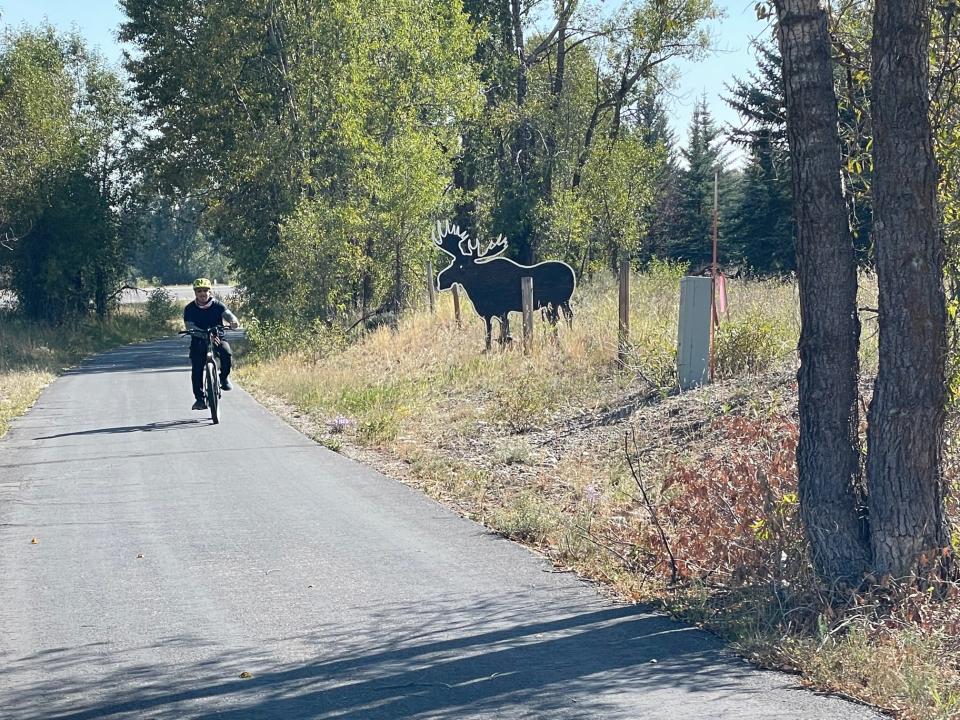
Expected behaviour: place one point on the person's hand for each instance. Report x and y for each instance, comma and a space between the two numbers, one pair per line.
234, 325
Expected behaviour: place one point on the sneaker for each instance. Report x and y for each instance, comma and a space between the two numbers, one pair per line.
225, 384
199, 405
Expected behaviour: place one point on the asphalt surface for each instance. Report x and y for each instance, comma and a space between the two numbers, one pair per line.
186, 570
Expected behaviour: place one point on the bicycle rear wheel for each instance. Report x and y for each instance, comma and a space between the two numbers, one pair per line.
211, 385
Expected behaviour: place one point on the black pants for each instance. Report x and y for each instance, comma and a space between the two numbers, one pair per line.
198, 358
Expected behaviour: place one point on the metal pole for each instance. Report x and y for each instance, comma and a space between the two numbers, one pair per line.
526, 290
713, 276
431, 288
623, 328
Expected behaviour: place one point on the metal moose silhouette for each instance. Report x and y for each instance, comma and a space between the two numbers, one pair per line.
493, 283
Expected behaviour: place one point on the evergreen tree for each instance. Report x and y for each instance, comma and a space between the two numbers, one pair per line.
663, 215
691, 240
761, 229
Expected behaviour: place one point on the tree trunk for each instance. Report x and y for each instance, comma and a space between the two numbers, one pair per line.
556, 93
366, 282
905, 435
100, 294
828, 459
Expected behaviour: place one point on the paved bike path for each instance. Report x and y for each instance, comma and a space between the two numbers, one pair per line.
187, 570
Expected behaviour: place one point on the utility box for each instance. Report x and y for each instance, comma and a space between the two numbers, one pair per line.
693, 346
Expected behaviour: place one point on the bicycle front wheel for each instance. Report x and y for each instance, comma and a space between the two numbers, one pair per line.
211, 385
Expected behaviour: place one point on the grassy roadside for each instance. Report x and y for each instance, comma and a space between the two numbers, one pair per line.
33, 354
610, 473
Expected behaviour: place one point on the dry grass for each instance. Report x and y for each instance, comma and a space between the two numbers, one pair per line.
32, 354
533, 447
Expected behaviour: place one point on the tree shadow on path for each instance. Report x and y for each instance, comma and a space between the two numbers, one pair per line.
437, 662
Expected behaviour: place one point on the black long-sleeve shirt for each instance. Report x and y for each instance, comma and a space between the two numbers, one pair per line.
205, 318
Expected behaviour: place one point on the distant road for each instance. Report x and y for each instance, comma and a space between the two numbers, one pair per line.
154, 566
182, 293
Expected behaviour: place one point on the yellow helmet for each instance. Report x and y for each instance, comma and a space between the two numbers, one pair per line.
202, 283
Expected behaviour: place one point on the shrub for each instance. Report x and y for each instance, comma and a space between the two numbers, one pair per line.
528, 518
272, 338
522, 403
665, 274
380, 428
733, 518
162, 307
750, 344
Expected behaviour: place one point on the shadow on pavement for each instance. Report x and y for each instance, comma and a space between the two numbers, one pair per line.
433, 660
150, 427
168, 354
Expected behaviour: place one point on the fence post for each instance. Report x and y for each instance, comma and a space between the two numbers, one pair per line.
623, 327
456, 305
431, 288
526, 290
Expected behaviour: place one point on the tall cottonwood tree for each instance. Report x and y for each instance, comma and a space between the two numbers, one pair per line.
558, 102
906, 419
906, 521
828, 460
319, 136
63, 181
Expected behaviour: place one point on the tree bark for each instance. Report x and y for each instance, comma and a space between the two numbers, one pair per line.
828, 459
905, 432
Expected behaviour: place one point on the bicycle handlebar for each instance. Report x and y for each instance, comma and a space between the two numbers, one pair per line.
198, 332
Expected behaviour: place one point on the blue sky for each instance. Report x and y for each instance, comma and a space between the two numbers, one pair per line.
97, 21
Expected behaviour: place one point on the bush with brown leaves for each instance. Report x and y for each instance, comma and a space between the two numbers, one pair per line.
733, 518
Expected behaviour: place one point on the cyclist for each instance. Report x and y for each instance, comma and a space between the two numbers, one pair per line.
203, 313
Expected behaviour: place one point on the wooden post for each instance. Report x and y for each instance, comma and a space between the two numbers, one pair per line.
456, 305
431, 287
623, 328
526, 290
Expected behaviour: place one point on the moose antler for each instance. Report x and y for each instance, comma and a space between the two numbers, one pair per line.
493, 249
449, 238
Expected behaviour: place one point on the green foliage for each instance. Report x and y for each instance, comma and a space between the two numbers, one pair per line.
565, 225
665, 274
379, 429
162, 307
333, 144
761, 232
691, 237
65, 121
528, 518
273, 338
751, 343
560, 163
619, 205
173, 248
523, 402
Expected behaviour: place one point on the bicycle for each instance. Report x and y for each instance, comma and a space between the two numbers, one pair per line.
211, 369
